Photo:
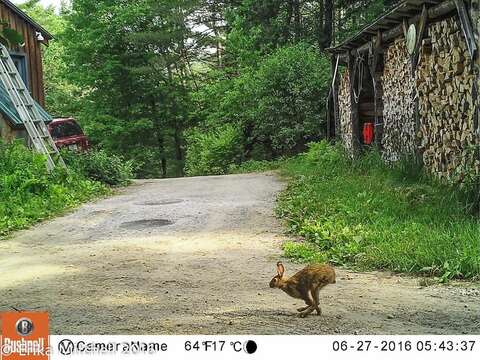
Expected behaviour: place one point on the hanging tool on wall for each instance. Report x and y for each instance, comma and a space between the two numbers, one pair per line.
359, 73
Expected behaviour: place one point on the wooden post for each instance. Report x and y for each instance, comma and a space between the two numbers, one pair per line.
354, 116
422, 26
466, 27
372, 67
334, 96
328, 105
329, 117
475, 15
378, 88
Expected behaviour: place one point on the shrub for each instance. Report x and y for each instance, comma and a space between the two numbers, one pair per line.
28, 193
212, 152
289, 92
278, 104
100, 166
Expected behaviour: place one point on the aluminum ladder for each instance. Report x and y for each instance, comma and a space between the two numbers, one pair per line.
23, 102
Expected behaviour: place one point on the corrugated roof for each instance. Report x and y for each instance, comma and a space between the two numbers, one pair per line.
28, 19
389, 19
10, 113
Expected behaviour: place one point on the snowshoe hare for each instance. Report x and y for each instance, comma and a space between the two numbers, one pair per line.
305, 284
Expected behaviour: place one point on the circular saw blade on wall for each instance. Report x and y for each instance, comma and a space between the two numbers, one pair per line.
411, 38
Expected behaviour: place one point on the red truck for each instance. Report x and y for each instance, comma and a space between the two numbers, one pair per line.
68, 134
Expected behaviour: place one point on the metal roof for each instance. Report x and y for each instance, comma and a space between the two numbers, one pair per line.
389, 19
7, 109
27, 18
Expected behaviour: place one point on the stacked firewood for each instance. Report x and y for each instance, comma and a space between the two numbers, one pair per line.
345, 111
446, 104
398, 103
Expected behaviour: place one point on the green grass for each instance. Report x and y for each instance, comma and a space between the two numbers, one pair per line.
366, 215
254, 166
29, 194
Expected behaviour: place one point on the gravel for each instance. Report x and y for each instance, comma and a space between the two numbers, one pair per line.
203, 266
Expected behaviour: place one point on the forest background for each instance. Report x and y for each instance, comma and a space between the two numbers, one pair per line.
195, 86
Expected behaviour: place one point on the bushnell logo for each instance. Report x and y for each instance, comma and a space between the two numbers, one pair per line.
24, 335
24, 327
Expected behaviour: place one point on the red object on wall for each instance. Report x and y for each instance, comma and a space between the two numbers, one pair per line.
368, 133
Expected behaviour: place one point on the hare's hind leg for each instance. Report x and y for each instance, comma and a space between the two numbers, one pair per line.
309, 303
310, 300
316, 300
305, 307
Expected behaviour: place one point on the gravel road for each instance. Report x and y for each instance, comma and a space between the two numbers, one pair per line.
194, 256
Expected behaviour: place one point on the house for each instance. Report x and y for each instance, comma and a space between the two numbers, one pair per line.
412, 75
28, 60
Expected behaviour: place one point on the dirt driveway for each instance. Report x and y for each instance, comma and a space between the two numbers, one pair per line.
195, 255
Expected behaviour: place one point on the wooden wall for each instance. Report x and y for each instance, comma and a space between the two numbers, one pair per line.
32, 50
7, 133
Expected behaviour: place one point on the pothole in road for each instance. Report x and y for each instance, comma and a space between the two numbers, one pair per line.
146, 224
162, 202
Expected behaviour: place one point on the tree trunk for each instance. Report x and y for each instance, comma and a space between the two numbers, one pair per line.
161, 148
178, 148
297, 19
328, 25
319, 15
249, 141
160, 139
286, 31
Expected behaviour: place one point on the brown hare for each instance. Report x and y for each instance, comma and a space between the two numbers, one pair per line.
305, 284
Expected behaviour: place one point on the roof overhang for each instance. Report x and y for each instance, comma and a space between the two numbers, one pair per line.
390, 23
28, 19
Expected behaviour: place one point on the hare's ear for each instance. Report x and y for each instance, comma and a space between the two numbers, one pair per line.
280, 269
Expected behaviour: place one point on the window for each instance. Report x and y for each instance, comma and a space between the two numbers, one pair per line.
65, 129
20, 62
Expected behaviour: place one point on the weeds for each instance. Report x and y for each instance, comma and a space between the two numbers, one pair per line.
28, 193
253, 166
368, 215
100, 166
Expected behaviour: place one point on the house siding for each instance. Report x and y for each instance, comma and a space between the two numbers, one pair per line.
32, 51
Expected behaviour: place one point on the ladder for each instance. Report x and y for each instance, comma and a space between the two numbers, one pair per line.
23, 102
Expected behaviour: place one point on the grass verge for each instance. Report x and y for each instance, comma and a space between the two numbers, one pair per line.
253, 166
29, 194
366, 215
